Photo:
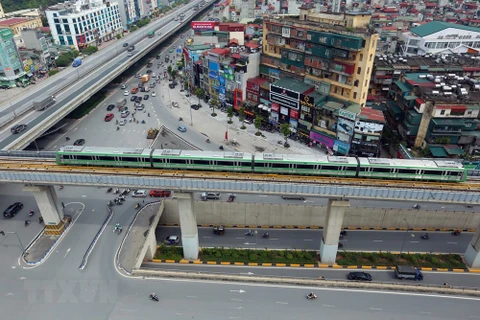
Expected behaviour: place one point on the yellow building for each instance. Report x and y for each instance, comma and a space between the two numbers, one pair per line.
18, 24
334, 52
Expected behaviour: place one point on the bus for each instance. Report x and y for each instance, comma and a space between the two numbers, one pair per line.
151, 34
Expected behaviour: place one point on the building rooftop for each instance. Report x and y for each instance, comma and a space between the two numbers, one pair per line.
436, 26
372, 115
425, 63
257, 80
220, 51
12, 21
293, 85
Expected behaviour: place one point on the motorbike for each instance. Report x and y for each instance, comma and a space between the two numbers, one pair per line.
311, 297
124, 192
154, 297
31, 213
137, 206
143, 121
221, 147
266, 235
40, 219
180, 119
61, 188
416, 207
249, 233
208, 141
343, 232
456, 232
116, 191
425, 236
109, 190
118, 128
67, 138
27, 222
110, 203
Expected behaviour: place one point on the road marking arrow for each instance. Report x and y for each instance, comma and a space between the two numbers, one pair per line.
238, 291
68, 250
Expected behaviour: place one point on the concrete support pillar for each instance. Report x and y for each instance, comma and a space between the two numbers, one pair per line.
331, 233
152, 246
472, 255
188, 225
50, 208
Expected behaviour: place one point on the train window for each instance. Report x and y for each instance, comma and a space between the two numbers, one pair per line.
145, 159
280, 165
202, 162
246, 164
128, 159
407, 171
305, 166
260, 165
225, 163
106, 158
332, 168
433, 172
350, 169
179, 161
158, 160
383, 170
80, 157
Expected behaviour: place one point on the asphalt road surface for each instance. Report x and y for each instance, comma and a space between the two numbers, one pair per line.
110, 58
439, 242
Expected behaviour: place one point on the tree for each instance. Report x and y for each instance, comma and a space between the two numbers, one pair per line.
173, 74
230, 114
169, 71
52, 72
241, 117
90, 50
285, 130
258, 21
214, 104
119, 36
258, 124
199, 93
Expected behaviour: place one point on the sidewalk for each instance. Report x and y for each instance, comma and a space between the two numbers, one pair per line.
214, 128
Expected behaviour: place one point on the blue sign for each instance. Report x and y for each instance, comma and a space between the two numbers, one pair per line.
222, 90
32, 69
341, 147
213, 66
213, 75
179, 50
221, 80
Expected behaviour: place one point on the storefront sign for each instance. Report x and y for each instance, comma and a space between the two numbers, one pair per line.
284, 100
341, 147
347, 114
213, 75
291, 94
203, 25
323, 140
293, 114
345, 126
275, 107
284, 111
307, 101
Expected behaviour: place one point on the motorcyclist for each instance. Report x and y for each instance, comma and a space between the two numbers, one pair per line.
312, 295
154, 296
249, 232
266, 235
426, 236
117, 226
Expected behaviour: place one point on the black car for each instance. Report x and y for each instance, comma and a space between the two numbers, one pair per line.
110, 107
219, 230
125, 45
138, 99
133, 98
79, 142
195, 106
18, 128
171, 86
140, 85
360, 276
145, 97
4, 86
158, 56
149, 71
293, 198
149, 64
12, 210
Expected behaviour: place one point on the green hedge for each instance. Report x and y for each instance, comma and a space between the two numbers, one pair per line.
451, 261
169, 253
261, 256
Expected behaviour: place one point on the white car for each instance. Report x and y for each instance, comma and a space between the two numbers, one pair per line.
154, 94
124, 86
122, 122
126, 93
139, 193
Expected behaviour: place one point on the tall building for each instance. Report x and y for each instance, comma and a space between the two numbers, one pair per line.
11, 67
129, 12
19, 24
2, 12
84, 22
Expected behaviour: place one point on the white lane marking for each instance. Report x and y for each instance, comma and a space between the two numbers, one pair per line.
238, 291
68, 250
84, 195
240, 238
274, 239
453, 242
307, 239
248, 273
240, 300
250, 243
207, 237
414, 241
236, 308
280, 302
192, 297
377, 240
263, 196
328, 305
375, 309
233, 317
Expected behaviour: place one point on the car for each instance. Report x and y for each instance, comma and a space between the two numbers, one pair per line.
172, 240
171, 86
134, 90
160, 193
125, 113
139, 107
175, 104
145, 97
124, 86
182, 129
181, 36
18, 128
13, 210
154, 94
158, 56
195, 106
149, 71
133, 98
126, 93
109, 117
219, 230
293, 198
152, 85
79, 142
5, 86
110, 107
360, 276
140, 85
122, 122
171, 50
138, 99
149, 65
210, 195
139, 193
125, 44
124, 108
138, 76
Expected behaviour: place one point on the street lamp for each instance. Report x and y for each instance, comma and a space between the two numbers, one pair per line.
405, 237
6, 233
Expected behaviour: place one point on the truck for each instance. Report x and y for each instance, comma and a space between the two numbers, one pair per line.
44, 104
77, 62
121, 103
408, 272
145, 78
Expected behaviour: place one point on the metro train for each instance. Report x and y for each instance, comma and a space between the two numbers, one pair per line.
271, 163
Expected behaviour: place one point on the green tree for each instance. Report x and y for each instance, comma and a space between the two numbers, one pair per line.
173, 74
119, 36
258, 21
199, 93
65, 59
214, 104
258, 124
285, 130
230, 114
241, 117
90, 50
169, 71
52, 72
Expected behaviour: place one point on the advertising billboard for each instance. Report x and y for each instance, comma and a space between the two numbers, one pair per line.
203, 25
345, 126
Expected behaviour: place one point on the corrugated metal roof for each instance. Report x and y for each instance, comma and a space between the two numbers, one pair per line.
437, 26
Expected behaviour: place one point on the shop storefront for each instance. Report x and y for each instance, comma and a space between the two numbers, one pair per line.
322, 139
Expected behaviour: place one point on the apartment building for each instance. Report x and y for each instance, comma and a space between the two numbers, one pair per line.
11, 66
84, 22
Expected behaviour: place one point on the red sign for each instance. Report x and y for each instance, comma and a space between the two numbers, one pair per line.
203, 25
275, 107
293, 114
